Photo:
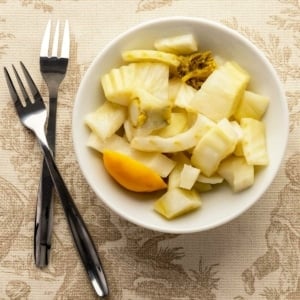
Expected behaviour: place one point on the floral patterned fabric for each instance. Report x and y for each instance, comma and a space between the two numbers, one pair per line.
256, 256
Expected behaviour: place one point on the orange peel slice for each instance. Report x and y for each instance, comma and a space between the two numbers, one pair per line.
131, 174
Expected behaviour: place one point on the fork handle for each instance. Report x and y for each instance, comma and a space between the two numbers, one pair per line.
43, 219
82, 238
44, 206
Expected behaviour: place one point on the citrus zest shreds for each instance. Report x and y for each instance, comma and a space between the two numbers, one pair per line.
131, 174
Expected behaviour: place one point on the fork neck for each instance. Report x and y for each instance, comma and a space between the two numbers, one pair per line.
40, 134
53, 86
53, 95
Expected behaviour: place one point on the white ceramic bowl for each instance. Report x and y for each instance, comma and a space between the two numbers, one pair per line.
221, 205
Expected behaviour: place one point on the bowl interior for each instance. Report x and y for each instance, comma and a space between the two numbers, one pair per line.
220, 205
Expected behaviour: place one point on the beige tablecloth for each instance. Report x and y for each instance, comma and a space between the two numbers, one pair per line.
256, 256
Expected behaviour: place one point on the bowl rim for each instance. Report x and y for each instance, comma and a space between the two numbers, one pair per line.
218, 26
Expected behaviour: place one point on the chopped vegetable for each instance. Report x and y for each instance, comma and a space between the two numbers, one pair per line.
214, 146
237, 173
181, 44
154, 78
178, 123
184, 96
173, 119
149, 112
176, 202
180, 142
118, 84
254, 142
151, 56
221, 92
107, 119
252, 105
214, 179
188, 176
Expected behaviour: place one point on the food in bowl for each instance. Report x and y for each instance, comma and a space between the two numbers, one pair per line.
189, 111
220, 205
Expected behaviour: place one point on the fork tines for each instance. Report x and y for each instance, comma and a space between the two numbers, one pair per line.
13, 92
65, 46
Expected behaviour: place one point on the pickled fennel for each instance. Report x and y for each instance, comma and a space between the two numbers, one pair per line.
192, 121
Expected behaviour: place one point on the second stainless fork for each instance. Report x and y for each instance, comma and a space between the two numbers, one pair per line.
53, 69
32, 115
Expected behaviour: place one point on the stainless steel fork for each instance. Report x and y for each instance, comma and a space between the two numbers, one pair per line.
33, 115
53, 69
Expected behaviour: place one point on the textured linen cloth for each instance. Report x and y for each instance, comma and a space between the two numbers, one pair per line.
256, 256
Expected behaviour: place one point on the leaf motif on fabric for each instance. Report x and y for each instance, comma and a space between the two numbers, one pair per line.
288, 18
11, 212
294, 109
148, 5
279, 54
4, 36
